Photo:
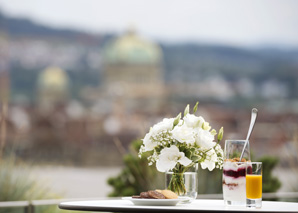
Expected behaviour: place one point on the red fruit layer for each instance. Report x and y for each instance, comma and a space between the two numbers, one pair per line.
239, 173
235, 174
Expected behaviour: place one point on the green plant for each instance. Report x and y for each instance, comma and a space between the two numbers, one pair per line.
17, 184
136, 175
209, 182
270, 183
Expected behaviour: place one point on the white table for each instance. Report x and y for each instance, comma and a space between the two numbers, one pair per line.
200, 205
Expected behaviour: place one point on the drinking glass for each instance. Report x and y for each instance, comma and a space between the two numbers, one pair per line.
234, 188
233, 149
254, 184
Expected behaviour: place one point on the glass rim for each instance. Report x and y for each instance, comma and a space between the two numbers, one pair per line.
254, 162
240, 140
236, 162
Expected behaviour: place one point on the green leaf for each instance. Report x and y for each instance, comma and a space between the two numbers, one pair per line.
158, 149
181, 148
195, 158
177, 119
186, 111
188, 154
195, 108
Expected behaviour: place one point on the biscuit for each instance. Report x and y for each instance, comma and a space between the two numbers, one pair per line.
156, 195
169, 194
145, 195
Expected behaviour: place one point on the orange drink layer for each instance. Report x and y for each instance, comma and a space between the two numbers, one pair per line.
253, 186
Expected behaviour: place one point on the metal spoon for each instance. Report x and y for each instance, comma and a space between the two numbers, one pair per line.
254, 113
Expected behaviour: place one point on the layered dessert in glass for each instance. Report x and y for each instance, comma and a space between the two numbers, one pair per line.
234, 182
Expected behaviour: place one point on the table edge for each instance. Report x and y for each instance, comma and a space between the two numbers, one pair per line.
65, 206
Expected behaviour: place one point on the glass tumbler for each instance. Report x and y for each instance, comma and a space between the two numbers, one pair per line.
234, 173
254, 184
233, 150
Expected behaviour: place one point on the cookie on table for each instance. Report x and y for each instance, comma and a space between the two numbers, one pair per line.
145, 195
156, 195
169, 194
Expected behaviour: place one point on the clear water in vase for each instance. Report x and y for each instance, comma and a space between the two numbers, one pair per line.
190, 182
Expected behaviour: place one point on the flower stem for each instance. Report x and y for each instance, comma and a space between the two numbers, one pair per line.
177, 180
177, 184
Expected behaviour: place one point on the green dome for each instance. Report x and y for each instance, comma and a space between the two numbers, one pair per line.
53, 78
132, 49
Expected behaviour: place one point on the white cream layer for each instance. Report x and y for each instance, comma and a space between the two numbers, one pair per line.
234, 193
232, 180
228, 165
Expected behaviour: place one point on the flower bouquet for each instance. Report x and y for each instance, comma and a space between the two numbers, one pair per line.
177, 144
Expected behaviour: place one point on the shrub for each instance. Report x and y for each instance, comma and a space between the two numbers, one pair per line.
17, 184
270, 183
136, 175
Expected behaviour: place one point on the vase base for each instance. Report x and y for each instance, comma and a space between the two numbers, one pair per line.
186, 199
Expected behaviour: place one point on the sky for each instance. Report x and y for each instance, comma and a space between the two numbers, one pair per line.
233, 22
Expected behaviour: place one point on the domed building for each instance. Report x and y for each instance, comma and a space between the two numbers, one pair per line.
132, 49
132, 72
52, 87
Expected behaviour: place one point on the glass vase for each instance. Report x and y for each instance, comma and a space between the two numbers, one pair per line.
184, 184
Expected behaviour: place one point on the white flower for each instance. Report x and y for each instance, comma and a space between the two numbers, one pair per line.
190, 134
206, 126
165, 125
184, 134
169, 157
204, 139
193, 121
210, 160
218, 149
148, 143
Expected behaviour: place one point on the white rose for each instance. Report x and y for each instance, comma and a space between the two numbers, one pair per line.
165, 125
184, 134
169, 157
210, 160
148, 143
204, 139
193, 121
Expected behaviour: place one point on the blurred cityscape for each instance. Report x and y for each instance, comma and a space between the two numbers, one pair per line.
73, 98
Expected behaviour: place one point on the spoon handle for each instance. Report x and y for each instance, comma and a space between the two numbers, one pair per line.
254, 113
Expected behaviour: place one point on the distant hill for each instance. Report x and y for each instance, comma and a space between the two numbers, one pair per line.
186, 62
26, 27
232, 63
